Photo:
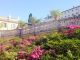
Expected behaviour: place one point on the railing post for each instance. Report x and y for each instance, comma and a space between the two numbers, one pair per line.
59, 26
20, 32
34, 30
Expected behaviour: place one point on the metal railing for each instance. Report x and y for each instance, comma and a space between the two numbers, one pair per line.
39, 27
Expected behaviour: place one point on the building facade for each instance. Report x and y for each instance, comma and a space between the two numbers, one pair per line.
8, 23
71, 13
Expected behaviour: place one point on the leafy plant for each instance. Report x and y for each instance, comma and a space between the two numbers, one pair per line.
10, 55
47, 57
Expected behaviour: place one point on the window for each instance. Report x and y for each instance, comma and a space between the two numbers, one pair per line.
13, 25
64, 21
64, 12
68, 11
76, 12
5, 25
68, 15
76, 9
72, 14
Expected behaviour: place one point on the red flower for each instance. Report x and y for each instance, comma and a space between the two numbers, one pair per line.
21, 55
2, 47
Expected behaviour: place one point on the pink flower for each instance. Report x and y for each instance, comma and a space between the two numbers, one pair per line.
2, 47
36, 53
73, 26
13, 42
21, 54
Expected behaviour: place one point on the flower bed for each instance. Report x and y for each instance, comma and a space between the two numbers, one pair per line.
63, 45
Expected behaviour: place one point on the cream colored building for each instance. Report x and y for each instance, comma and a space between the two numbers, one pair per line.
8, 23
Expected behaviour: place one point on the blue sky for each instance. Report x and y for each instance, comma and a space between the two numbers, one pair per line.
39, 8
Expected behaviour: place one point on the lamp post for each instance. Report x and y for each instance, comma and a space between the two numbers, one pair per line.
59, 26
20, 32
29, 26
34, 30
32, 26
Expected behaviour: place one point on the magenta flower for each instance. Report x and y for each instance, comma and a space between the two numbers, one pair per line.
73, 26
36, 53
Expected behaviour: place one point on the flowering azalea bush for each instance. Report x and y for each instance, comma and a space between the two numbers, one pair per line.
36, 53
2, 48
61, 45
8, 49
73, 26
48, 46
21, 55
71, 31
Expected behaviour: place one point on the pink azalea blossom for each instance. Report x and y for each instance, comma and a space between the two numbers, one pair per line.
2, 47
36, 53
73, 26
21, 55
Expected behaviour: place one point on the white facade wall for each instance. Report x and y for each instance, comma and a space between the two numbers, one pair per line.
69, 13
10, 24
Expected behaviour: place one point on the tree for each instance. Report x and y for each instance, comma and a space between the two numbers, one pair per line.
21, 24
32, 20
35, 20
56, 14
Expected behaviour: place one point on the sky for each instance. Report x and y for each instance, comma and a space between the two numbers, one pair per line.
39, 8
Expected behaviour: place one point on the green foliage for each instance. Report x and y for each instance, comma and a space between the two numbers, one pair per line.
65, 48
55, 43
7, 55
47, 57
70, 55
77, 33
29, 48
17, 39
56, 14
55, 36
10, 55
61, 57
21, 24
2, 57
32, 20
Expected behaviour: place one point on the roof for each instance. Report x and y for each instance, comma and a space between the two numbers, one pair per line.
71, 8
8, 19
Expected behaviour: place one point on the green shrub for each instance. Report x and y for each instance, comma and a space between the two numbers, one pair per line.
47, 57
7, 55
77, 33
66, 47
